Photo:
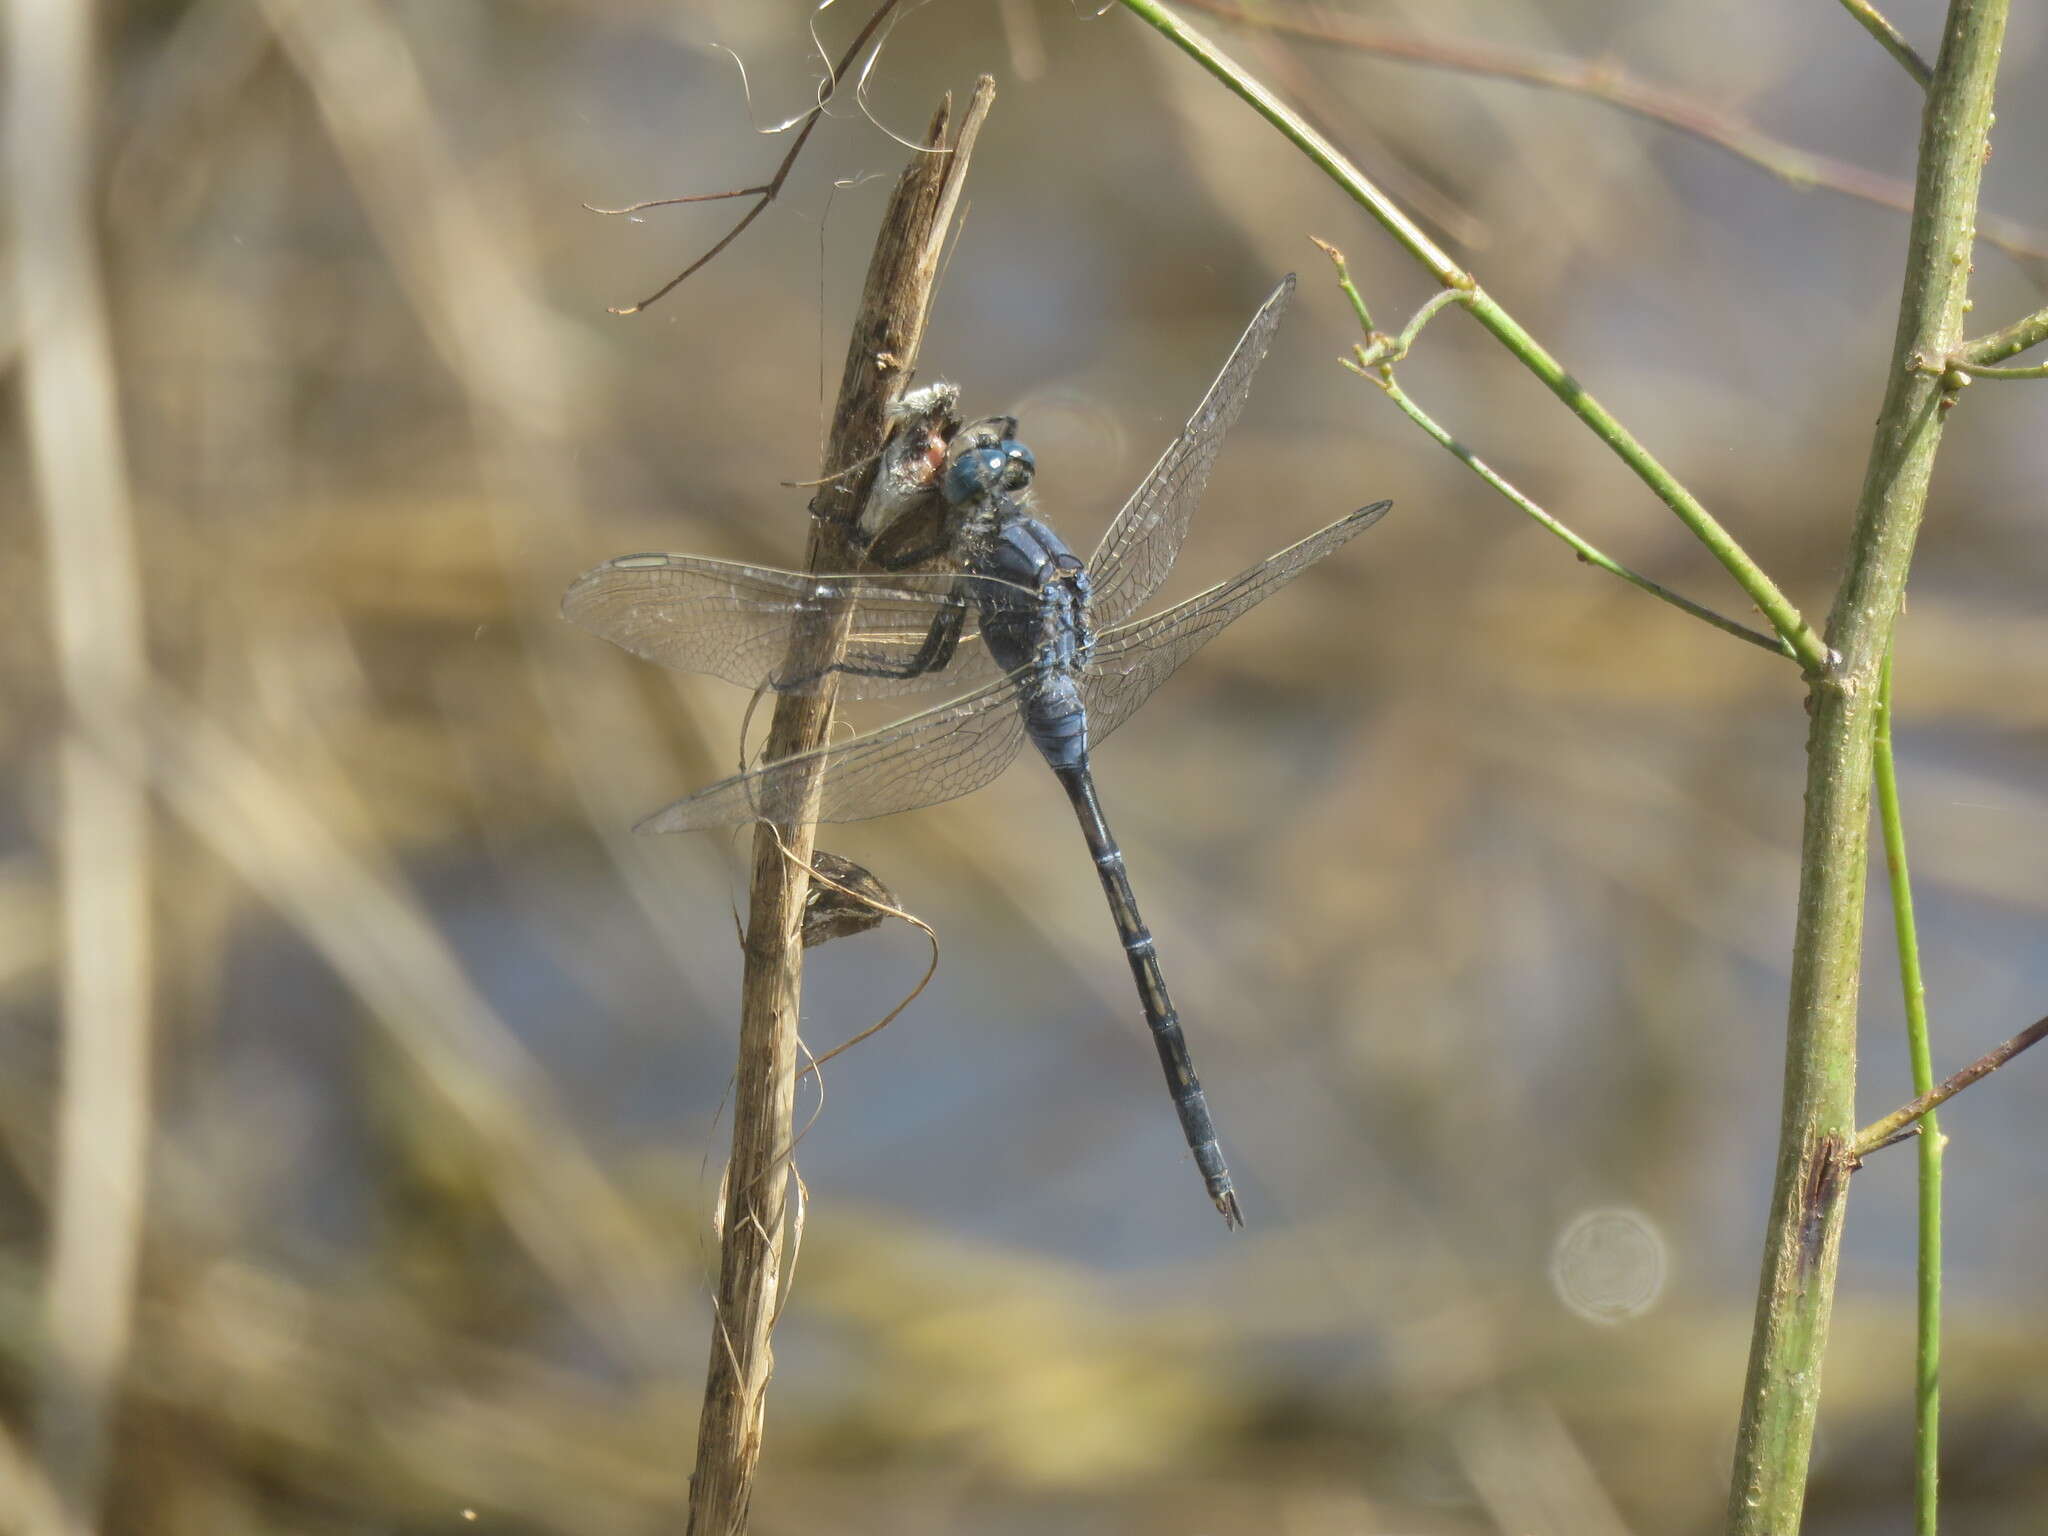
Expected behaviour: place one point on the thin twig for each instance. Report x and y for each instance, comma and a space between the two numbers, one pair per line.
1601, 80
767, 190
71, 404
1878, 1131
1913, 989
1891, 39
1375, 361
767, 193
1890, 1141
880, 356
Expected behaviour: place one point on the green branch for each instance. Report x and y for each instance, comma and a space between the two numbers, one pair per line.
1784, 617
2027, 331
1977, 370
1375, 361
1891, 39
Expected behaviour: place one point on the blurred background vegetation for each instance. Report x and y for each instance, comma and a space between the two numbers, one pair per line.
1472, 868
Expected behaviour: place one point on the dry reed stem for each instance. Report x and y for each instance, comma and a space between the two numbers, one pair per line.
73, 429
880, 356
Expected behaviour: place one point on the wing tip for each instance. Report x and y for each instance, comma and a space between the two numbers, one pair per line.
667, 819
589, 580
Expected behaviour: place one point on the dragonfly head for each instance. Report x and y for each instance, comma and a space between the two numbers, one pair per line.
985, 458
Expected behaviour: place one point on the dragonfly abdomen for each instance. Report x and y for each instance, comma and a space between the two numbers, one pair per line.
1161, 1017
1056, 720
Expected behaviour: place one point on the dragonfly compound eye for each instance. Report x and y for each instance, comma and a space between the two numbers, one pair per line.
1018, 467
1005, 468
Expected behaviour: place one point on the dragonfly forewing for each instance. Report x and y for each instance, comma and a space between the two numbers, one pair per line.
1138, 551
738, 621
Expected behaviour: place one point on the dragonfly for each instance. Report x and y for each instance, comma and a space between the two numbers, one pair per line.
1041, 646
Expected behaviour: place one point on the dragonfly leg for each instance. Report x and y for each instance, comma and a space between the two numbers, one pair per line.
940, 642
916, 538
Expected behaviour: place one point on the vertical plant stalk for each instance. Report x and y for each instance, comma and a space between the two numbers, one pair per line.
879, 359
74, 439
1795, 1297
1927, 1364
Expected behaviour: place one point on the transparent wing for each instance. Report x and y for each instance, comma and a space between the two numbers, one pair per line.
958, 746
943, 753
736, 621
1131, 661
1137, 552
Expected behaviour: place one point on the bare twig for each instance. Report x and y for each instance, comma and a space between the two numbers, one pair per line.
1881, 1133
767, 193
1601, 80
1917, 1128
880, 355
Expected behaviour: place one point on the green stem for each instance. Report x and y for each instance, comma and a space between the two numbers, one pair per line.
1388, 350
2027, 331
1784, 617
1927, 1369
1978, 370
1375, 362
1587, 552
1890, 38
1802, 1243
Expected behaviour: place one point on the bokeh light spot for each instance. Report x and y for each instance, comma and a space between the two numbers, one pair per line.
1609, 1265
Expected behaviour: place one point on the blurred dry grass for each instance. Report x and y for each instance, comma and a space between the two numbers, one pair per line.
1472, 868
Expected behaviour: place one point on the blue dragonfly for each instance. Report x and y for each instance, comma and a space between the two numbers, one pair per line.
1041, 647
